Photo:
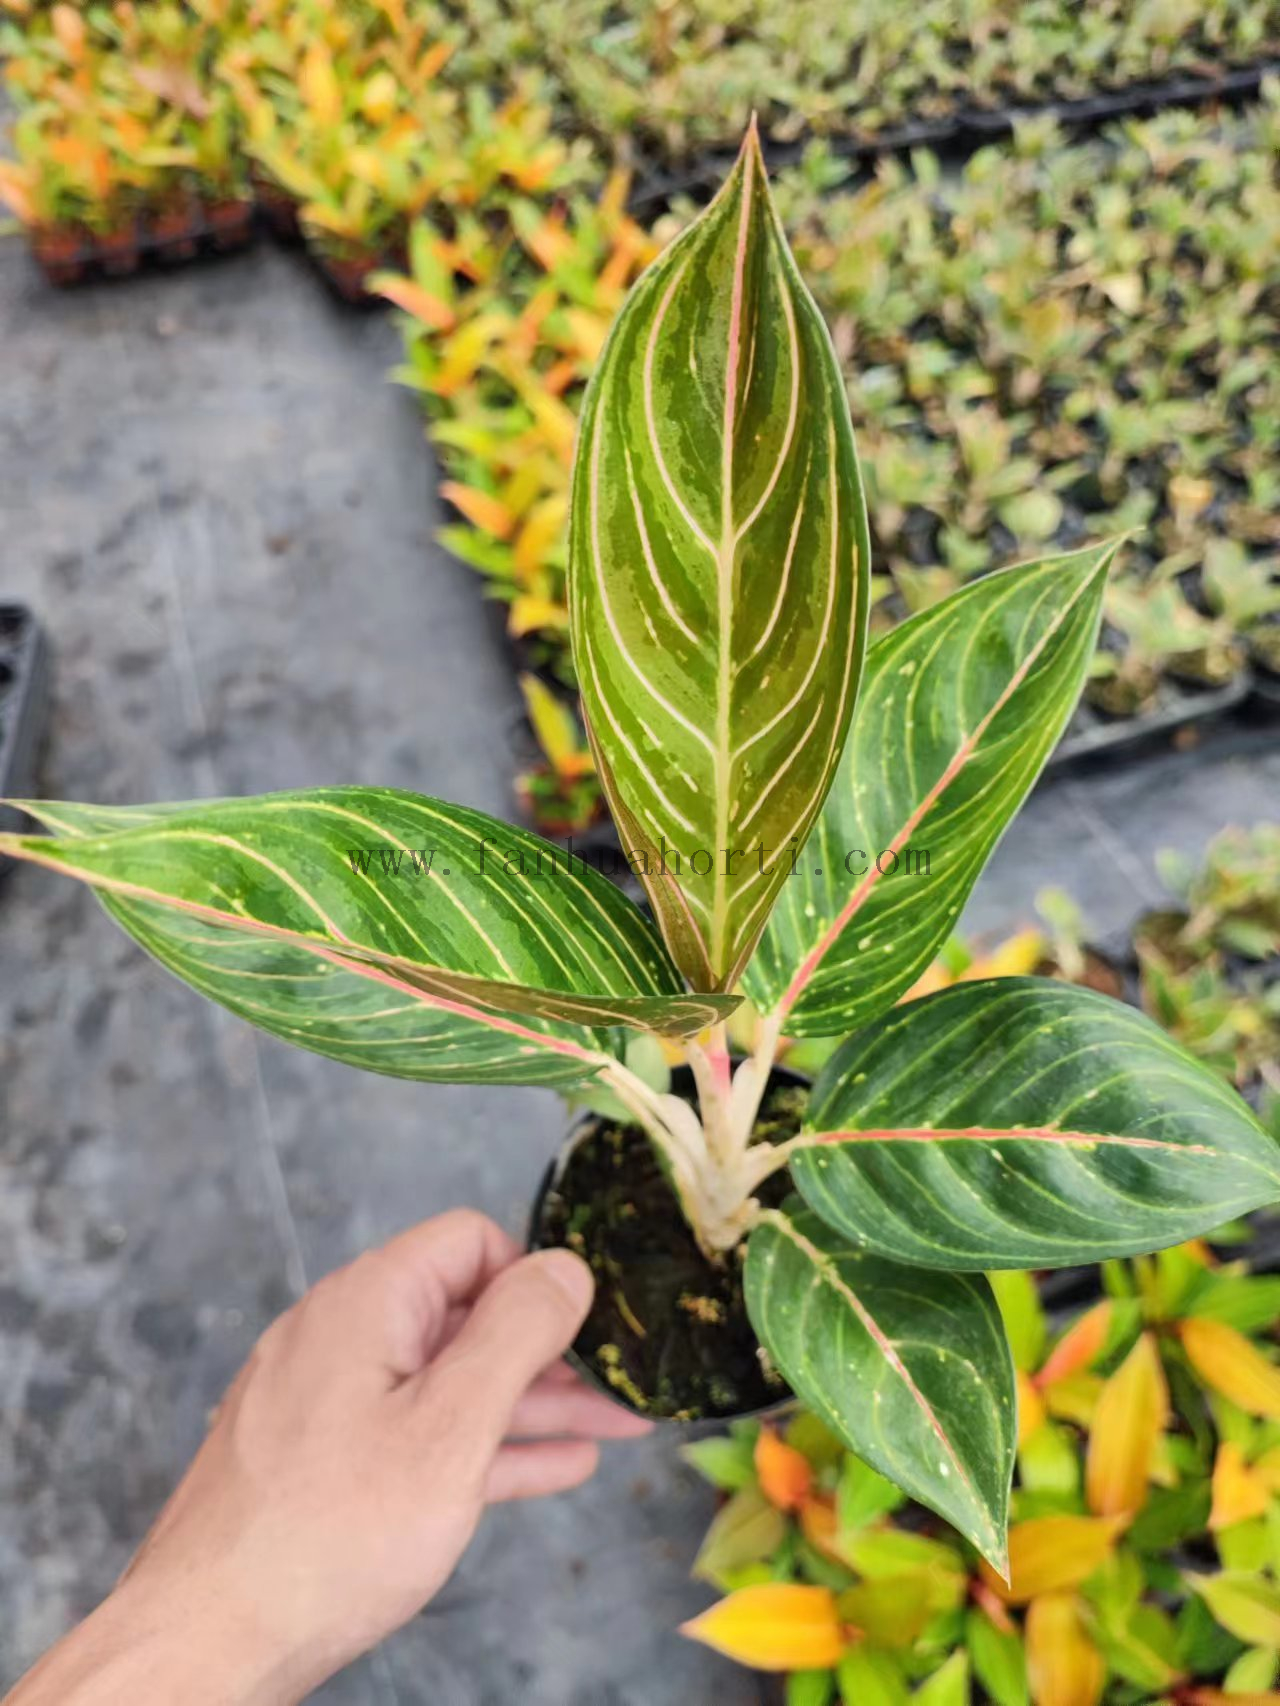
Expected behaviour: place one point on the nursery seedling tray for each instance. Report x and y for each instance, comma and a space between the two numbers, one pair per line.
24, 703
207, 232
1092, 737
1265, 690
963, 131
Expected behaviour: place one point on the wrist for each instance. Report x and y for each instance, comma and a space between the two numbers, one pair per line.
189, 1643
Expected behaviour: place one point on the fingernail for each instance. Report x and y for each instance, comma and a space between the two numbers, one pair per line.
571, 1274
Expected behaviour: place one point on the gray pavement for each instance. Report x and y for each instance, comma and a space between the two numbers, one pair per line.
225, 518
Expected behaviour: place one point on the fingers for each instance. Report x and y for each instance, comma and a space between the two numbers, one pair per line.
533, 1471
524, 1320
392, 1305
554, 1405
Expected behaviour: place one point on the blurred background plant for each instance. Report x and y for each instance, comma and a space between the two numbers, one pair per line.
1057, 339
676, 76
1145, 1543
348, 116
502, 367
122, 129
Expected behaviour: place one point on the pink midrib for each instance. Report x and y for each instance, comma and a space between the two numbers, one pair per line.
361, 968
964, 752
1010, 1134
879, 1338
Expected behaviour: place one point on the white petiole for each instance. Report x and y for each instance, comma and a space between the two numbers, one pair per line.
714, 1165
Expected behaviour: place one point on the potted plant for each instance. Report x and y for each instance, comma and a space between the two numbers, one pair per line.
718, 593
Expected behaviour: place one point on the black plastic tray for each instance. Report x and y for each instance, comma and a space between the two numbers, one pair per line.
1092, 737
203, 237
962, 132
24, 706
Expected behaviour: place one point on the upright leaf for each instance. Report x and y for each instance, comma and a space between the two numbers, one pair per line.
949, 1684
998, 1659
1239, 1491
386, 929
871, 1677
1024, 1123
1126, 1430
912, 1370
959, 709
1064, 1666
718, 573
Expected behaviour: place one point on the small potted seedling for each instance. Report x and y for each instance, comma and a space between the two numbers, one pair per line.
793, 849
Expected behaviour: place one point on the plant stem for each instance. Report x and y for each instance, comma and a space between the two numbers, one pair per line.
714, 1166
711, 1073
646, 1105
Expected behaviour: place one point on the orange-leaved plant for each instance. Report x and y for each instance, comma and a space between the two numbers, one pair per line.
1143, 1555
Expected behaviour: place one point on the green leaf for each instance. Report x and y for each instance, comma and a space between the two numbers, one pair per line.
949, 1684
863, 1494
1049, 1464
1023, 1317
1204, 1646
1246, 1605
1171, 1516
726, 1462
1025, 1123
747, 1530
811, 1688
1141, 1648
383, 928
1253, 1672
999, 1662
868, 1677
960, 708
1249, 1303
912, 1370
718, 573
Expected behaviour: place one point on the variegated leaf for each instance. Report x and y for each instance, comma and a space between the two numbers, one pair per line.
959, 709
719, 572
911, 1369
1022, 1123
383, 928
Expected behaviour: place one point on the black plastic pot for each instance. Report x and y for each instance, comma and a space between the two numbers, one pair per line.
24, 703
682, 1084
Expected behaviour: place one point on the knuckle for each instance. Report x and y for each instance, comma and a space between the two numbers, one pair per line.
469, 1221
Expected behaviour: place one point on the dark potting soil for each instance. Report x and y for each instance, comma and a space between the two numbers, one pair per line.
668, 1334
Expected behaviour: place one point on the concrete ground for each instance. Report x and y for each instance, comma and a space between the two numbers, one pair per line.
225, 518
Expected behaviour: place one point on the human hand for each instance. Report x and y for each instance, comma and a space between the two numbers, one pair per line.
345, 1471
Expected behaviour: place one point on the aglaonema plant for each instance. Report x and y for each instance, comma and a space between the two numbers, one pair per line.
797, 851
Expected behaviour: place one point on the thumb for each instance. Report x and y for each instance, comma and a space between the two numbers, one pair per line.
522, 1321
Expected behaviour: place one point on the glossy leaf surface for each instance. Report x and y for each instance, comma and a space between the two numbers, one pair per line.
436, 956
959, 709
1026, 1123
911, 1369
718, 572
